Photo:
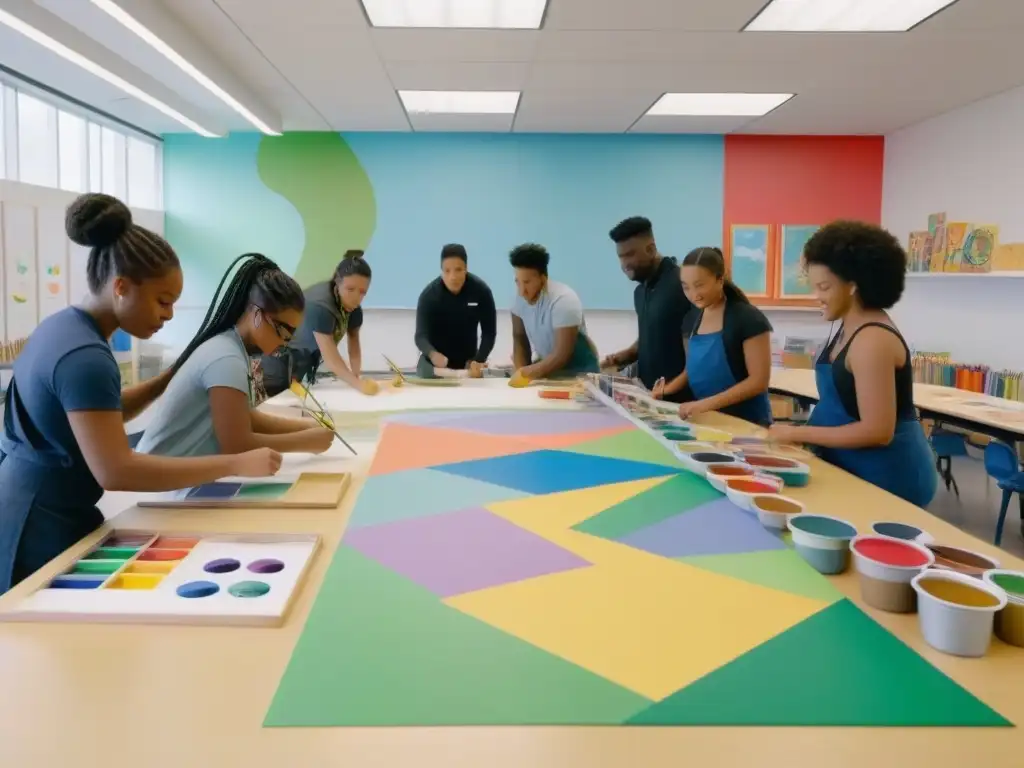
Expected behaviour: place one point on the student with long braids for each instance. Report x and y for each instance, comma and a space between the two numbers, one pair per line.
210, 405
64, 440
333, 312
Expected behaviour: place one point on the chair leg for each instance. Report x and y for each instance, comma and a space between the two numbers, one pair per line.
956, 488
1002, 516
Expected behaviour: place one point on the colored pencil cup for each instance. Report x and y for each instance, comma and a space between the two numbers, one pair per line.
823, 541
1009, 623
885, 567
957, 612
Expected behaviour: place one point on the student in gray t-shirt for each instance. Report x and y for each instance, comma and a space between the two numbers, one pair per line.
549, 331
209, 405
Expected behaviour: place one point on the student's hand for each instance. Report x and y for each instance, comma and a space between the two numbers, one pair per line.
319, 439
476, 370
519, 379
658, 393
784, 433
439, 360
610, 361
369, 386
262, 462
686, 410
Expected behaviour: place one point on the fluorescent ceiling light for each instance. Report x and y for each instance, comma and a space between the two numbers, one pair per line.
717, 104
93, 68
464, 14
132, 24
460, 102
844, 15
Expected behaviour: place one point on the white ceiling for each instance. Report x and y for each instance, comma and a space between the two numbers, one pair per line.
596, 66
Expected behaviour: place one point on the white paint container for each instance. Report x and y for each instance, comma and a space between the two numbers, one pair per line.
957, 619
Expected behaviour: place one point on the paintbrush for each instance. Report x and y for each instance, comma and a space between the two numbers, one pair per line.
321, 416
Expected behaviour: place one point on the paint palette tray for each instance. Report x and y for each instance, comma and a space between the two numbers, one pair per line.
151, 578
310, 490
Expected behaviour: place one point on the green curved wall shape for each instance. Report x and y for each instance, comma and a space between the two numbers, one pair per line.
321, 176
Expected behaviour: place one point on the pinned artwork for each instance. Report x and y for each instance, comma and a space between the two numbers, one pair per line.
793, 282
748, 258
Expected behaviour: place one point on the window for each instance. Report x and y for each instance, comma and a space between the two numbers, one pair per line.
37, 141
3, 122
142, 174
113, 175
72, 151
95, 166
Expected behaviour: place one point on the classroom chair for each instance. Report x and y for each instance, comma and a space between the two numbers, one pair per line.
947, 445
1003, 466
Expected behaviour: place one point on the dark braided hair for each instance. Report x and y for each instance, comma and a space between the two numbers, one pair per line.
119, 248
352, 263
713, 260
257, 281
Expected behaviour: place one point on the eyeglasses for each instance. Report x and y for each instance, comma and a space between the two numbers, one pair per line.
284, 331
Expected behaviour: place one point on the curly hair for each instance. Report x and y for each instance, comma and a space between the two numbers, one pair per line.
530, 256
863, 254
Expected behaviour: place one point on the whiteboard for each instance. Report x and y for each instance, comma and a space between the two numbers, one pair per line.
20, 295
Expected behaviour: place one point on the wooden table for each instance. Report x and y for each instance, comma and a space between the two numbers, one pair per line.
101, 695
995, 416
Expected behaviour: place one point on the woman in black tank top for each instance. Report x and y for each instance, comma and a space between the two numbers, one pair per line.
865, 421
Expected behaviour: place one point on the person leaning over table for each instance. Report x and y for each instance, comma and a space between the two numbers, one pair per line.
450, 312
549, 332
865, 421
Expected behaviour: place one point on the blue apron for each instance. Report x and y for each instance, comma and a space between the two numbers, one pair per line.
905, 467
47, 499
709, 374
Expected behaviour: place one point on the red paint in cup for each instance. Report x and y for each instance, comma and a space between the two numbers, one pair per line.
892, 552
727, 471
771, 461
751, 486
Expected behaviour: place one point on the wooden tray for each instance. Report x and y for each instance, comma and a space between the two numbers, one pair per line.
312, 490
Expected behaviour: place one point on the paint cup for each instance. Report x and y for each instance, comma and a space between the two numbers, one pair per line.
699, 461
823, 541
793, 473
742, 490
717, 474
957, 612
903, 531
885, 567
1009, 624
774, 511
962, 560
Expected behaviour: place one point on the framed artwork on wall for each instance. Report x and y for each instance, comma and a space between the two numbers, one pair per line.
792, 280
749, 258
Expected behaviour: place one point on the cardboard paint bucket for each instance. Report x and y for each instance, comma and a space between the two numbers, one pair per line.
885, 567
957, 612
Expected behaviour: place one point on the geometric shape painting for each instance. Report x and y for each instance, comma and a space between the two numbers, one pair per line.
579, 577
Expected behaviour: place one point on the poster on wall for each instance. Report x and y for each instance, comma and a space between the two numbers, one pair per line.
748, 253
20, 293
793, 282
52, 258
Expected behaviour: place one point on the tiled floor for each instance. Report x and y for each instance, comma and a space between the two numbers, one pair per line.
977, 508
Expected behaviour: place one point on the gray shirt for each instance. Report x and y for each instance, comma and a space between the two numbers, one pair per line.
558, 306
323, 315
182, 422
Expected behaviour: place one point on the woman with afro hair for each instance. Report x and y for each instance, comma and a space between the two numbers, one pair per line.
865, 421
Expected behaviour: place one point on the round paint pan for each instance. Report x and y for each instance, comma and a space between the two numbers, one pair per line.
957, 612
742, 490
677, 435
774, 511
903, 531
885, 567
699, 461
962, 560
793, 473
1009, 624
718, 474
823, 541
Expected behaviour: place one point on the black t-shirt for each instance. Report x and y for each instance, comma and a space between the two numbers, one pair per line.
742, 321
846, 385
324, 315
660, 307
447, 322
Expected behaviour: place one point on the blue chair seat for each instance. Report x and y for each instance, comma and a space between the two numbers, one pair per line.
1014, 483
1003, 466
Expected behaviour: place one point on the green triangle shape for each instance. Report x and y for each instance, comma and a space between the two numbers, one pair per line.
379, 650
781, 569
634, 444
680, 493
837, 668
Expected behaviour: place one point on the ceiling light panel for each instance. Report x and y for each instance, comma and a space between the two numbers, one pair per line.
844, 15
460, 102
717, 104
456, 14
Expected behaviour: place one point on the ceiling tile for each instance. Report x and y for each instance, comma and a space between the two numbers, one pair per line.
470, 123
590, 110
455, 44
688, 124
457, 76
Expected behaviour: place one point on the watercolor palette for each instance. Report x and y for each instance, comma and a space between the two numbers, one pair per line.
142, 577
310, 490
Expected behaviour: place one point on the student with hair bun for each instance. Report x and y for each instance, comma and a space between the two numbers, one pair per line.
210, 406
865, 421
728, 344
333, 312
63, 440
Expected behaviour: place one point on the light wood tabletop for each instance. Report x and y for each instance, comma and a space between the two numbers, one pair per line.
154, 696
992, 415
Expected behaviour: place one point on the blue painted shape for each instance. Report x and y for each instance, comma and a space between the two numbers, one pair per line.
63, 582
542, 472
214, 491
716, 528
197, 589
422, 492
492, 192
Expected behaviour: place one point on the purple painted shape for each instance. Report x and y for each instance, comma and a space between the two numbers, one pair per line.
534, 422
463, 551
716, 528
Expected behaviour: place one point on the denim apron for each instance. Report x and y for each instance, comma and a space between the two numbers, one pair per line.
709, 374
905, 467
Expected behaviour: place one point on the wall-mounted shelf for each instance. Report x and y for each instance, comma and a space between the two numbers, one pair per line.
950, 275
